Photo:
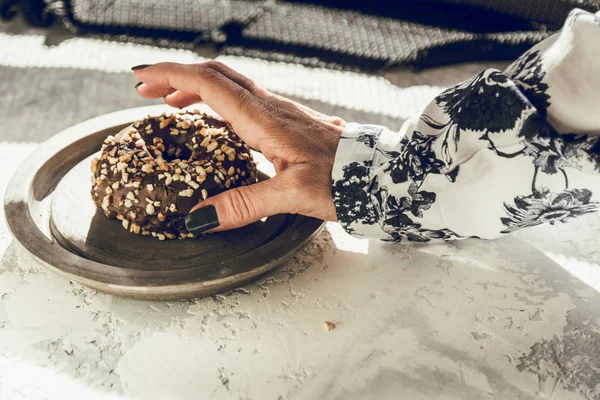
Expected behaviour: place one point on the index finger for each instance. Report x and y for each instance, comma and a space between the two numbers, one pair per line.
226, 97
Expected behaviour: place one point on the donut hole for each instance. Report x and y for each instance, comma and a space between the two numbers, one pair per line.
174, 146
176, 151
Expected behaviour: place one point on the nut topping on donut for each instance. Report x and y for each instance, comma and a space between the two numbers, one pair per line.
153, 172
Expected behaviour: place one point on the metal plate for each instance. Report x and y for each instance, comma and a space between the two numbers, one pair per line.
50, 212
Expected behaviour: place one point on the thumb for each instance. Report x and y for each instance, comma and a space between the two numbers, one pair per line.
237, 207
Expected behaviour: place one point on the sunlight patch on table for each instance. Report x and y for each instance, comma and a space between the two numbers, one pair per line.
351, 90
587, 272
345, 242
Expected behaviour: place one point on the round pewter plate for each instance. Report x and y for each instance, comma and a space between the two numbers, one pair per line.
50, 212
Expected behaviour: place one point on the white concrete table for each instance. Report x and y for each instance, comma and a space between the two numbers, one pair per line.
515, 318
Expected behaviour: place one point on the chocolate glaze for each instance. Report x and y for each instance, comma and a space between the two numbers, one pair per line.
153, 172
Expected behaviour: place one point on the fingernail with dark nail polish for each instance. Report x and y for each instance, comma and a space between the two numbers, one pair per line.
202, 220
141, 66
138, 85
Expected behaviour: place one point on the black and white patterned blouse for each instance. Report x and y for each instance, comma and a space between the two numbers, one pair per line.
497, 153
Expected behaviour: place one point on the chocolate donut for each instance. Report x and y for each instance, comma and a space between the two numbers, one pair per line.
153, 172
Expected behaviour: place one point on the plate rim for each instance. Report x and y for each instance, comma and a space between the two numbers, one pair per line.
19, 196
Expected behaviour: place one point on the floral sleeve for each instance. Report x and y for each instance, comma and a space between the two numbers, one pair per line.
497, 153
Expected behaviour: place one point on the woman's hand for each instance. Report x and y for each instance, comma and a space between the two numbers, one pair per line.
300, 142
